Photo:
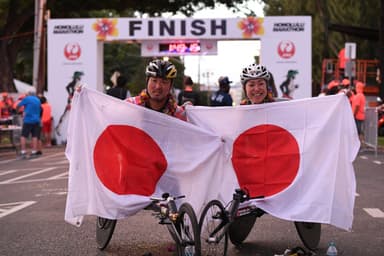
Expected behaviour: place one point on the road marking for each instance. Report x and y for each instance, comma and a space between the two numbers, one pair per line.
27, 175
57, 163
34, 159
7, 161
7, 172
6, 209
48, 192
45, 157
374, 161
374, 212
36, 180
61, 175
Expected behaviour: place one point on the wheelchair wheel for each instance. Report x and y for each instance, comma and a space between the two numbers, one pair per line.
104, 231
189, 232
214, 239
241, 227
309, 233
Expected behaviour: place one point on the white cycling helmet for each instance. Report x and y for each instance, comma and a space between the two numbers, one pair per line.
254, 71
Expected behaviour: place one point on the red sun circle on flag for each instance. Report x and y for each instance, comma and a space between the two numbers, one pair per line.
266, 160
128, 161
72, 51
286, 49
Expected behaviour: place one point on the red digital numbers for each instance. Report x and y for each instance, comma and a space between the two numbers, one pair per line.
180, 48
194, 47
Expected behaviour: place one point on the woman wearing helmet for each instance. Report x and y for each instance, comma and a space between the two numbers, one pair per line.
157, 95
254, 79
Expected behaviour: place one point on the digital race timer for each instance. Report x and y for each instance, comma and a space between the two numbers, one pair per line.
180, 47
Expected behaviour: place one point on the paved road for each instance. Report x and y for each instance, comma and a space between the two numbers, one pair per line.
32, 203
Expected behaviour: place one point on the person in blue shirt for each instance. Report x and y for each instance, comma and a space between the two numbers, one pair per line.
222, 96
31, 123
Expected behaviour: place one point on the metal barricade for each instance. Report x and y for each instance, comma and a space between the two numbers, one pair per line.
370, 127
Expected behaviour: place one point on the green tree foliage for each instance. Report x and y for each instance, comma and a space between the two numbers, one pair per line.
325, 42
126, 59
17, 25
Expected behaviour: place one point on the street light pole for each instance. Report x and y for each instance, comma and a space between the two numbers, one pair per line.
38, 35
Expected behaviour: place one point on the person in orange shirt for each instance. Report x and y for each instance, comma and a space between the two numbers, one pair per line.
358, 109
333, 87
46, 120
6, 105
342, 62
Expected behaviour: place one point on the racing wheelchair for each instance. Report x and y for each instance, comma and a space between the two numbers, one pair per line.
217, 223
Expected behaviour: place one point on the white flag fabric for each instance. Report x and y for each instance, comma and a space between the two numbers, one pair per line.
295, 156
120, 154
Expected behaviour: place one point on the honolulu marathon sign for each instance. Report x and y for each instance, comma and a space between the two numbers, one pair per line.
76, 45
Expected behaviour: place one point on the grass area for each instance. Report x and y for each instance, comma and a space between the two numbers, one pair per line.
380, 141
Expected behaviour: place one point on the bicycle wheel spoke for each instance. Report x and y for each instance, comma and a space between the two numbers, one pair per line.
214, 238
186, 230
189, 231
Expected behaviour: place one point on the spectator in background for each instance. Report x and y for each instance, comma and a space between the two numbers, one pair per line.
342, 62
20, 98
46, 120
6, 105
333, 87
358, 109
346, 88
188, 95
222, 96
31, 123
120, 90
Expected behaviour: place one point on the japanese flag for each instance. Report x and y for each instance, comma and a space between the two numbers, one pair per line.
295, 155
120, 154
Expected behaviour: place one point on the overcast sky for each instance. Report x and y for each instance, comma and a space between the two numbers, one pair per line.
232, 55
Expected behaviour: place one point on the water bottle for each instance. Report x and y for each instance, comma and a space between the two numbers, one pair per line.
331, 251
189, 251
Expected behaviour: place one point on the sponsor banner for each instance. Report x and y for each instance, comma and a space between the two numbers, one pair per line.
286, 50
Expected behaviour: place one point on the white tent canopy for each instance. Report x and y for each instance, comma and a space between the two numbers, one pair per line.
23, 87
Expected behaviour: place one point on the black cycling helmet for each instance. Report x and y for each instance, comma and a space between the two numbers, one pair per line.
254, 71
161, 68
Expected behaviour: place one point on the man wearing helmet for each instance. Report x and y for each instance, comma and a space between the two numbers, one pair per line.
157, 95
254, 79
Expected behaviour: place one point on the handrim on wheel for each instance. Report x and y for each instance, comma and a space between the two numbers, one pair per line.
104, 231
309, 233
211, 224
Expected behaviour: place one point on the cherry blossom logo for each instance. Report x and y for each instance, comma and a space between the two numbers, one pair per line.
250, 26
286, 49
105, 27
72, 51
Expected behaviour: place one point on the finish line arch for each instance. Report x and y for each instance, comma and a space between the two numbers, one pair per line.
77, 45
